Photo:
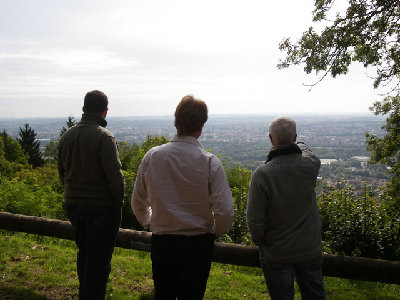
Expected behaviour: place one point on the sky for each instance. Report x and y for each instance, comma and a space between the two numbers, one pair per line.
147, 54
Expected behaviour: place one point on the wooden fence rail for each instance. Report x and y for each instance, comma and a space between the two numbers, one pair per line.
333, 265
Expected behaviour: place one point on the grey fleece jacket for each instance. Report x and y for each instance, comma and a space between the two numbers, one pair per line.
89, 165
282, 213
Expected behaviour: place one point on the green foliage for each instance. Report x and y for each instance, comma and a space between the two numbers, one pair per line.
36, 192
368, 32
30, 198
239, 181
70, 122
132, 155
386, 150
50, 151
30, 145
354, 225
12, 157
13, 151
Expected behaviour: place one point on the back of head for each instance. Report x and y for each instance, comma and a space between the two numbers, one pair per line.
283, 130
190, 115
96, 102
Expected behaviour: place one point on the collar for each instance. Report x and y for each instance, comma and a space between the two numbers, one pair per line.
283, 150
94, 118
186, 139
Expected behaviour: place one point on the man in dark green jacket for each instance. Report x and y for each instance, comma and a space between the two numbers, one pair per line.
90, 170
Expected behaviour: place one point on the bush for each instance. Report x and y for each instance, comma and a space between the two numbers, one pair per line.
354, 225
239, 181
32, 199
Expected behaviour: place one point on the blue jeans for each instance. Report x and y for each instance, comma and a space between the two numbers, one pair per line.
280, 278
95, 230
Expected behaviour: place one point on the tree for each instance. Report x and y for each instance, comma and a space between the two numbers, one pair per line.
70, 122
30, 145
50, 151
13, 151
386, 150
368, 32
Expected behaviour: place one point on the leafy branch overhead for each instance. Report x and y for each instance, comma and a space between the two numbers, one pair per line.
368, 32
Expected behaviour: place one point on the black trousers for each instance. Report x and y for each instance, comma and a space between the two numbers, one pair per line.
181, 265
96, 230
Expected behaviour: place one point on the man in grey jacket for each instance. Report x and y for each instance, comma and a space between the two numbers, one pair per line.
283, 217
90, 170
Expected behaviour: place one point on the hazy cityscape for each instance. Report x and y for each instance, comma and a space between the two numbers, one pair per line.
339, 140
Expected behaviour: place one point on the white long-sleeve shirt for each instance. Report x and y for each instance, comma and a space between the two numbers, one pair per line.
182, 189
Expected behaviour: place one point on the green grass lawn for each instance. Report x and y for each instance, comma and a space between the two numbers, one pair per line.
35, 267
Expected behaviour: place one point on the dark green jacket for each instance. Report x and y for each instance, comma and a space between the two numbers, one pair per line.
89, 165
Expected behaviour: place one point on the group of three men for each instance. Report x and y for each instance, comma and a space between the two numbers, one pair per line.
182, 195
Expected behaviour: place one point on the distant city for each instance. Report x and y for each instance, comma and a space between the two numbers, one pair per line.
339, 140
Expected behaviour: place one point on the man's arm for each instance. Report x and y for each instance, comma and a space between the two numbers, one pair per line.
257, 208
60, 166
221, 198
112, 168
139, 202
307, 152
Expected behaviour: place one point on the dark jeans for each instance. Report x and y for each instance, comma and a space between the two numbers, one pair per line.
280, 278
181, 265
95, 229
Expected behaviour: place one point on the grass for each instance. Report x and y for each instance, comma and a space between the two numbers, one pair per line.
36, 267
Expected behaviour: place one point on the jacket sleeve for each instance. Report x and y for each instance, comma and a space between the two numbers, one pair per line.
111, 166
61, 170
257, 208
311, 155
220, 198
140, 202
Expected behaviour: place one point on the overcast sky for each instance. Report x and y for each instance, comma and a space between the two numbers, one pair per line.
147, 54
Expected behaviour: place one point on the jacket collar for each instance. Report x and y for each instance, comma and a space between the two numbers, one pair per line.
186, 139
94, 118
283, 150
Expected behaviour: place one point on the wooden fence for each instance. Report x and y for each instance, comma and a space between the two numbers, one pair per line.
358, 268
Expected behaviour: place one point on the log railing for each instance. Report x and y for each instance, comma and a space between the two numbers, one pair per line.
333, 265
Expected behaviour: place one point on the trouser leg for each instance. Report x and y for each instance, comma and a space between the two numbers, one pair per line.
96, 234
278, 277
195, 265
181, 265
309, 279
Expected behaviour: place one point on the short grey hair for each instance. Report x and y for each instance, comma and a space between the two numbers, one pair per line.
283, 130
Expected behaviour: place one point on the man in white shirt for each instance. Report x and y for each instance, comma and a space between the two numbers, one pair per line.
181, 193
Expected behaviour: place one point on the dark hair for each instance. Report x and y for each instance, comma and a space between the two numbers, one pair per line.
190, 115
95, 102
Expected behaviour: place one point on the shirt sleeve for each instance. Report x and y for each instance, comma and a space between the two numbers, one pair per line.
140, 202
221, 198
112, 168
257, 208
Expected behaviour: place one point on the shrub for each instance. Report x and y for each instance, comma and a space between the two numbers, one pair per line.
363, 225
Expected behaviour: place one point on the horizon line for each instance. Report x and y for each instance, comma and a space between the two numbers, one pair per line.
214, 114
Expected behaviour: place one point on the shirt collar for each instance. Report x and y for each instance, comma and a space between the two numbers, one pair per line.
94, 118
186, 139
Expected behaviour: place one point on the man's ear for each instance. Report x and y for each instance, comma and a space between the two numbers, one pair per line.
271, 139
104, 114
295, 137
